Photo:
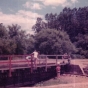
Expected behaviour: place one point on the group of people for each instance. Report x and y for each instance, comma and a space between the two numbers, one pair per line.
65, 57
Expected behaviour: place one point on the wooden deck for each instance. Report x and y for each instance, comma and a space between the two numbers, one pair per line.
22, 66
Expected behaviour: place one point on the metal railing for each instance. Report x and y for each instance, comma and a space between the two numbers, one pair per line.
11, 62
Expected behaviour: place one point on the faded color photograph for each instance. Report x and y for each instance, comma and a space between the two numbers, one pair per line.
43, 44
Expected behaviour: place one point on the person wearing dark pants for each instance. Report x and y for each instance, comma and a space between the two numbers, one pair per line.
58, 71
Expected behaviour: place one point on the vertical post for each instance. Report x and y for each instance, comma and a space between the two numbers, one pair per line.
39, 59
46, 63
56, 59
10, 66
31, 63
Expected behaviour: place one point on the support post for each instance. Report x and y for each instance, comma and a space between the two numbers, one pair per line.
56, 59
46, 64
10, 66
39, 60
31, 63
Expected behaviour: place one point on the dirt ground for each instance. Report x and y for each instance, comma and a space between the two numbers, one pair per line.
70, 81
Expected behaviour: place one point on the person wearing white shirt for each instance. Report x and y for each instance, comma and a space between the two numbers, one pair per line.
35, 57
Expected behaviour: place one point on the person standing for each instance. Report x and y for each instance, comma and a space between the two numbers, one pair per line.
35, 57
69, 59
58, 70
64, 57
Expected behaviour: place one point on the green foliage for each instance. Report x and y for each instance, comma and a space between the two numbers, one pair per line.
15, 41
74, 22
53, 42
24, 42
3, 31
40, 24
60, 33
82, 44
13, 30
7, 46
30, 44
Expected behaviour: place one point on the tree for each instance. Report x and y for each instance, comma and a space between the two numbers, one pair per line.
15, 41
30, 44
13, 30
53, 42
24, 42
82, 44
40, 24
52, 21
7, 45
3, 31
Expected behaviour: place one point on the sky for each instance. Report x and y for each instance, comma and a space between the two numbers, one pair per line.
25, 12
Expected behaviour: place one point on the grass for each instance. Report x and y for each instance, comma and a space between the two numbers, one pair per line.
64, 79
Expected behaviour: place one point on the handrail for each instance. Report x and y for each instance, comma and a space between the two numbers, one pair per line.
10, 61
30, 55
